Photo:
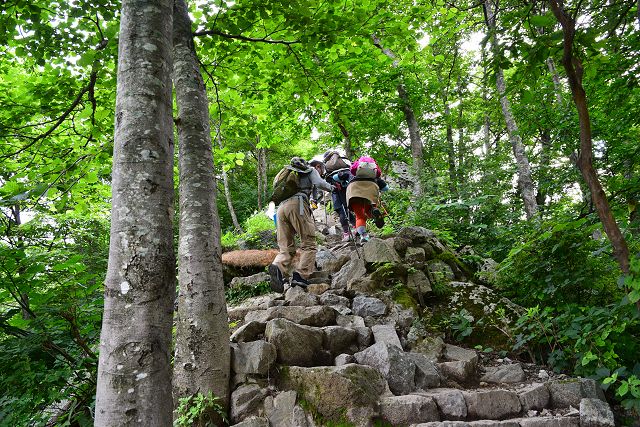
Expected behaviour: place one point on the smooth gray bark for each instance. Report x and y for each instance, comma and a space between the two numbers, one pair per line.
134, 371
412, 123
525, 181
202, 352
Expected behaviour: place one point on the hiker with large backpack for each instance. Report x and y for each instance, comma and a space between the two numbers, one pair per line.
291, 189
339, 175
363, 194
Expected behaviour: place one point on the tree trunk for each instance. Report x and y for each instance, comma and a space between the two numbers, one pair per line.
202, 354
461, 146
262, 176
543, 181
348, 150
486, 122
573, 68
451, 152
525, 182
225, 182
557, 86
134, 371
412, 124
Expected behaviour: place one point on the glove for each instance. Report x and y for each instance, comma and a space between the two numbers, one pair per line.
385, 188
314, 205
337, 186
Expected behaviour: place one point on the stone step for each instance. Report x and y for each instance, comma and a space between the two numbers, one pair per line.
515, 422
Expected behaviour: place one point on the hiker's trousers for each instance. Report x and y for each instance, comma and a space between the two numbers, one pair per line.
294, 217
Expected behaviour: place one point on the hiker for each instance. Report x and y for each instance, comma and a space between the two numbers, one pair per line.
292, 187
363, 194
338, 175
316, 195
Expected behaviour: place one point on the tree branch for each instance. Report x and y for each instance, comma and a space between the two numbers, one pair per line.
244, 38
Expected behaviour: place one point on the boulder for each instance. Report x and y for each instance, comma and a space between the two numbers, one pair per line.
338, 339
595, 413
403, 410
283, 411
511, 373
415, 256
418, 283
365, 285
492, 404
432, 347
297, 296
250, 331
426, 372
378, 251
386, 333
394, 364
332, 299
416, 234
296, 345
368, 306
311, 316
535, 396
550, 422
441, 271
246, 401
453, 353
255, 357
461, 371
337, 392
344, 359
332, 261
569, 392
350, 321
400, 244
253, 422
450, 402
251, 281
349, 273
318, 288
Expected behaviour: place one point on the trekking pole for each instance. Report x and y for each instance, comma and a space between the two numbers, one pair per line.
386, 212
346, 214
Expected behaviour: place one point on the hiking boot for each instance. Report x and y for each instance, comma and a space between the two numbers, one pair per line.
364, 238
298, 280
346, 237
378, 219
277, 279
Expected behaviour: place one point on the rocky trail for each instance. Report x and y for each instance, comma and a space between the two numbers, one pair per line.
352, 350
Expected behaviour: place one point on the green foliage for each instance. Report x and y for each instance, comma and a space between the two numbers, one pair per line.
238, 294
197, 409
259, 233
461, 325
560, 263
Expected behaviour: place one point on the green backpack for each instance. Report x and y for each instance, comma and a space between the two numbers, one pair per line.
286, 183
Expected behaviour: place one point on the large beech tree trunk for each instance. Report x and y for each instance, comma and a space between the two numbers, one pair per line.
573, 68
134, 371
412, 123
525, 181
202, 352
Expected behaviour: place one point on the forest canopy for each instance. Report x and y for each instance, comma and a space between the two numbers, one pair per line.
518, 121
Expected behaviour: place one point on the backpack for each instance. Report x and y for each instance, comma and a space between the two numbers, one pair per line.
333, 161
366, 167
286, 183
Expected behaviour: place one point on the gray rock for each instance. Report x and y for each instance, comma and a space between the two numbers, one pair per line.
338, 391
368, 306
441, 270
299, 297
450, 401
403, 410
245, 401
461, 371
377, 250
480, 423
280, 409
512, 373
365, 285
426, 371
418, 283
255, 357
415, 256
344, 359
250, 331
332, 299
550, 422
332, 260
296, 345
350, 321
349, 273
595, 413
453, 353
565, 393
386, 333
338, 339
311, 316
253, 422
252, 280
341, 309
432, 347
492, 404
400, 244
398, 368
365, 337
417, 234
535, 396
